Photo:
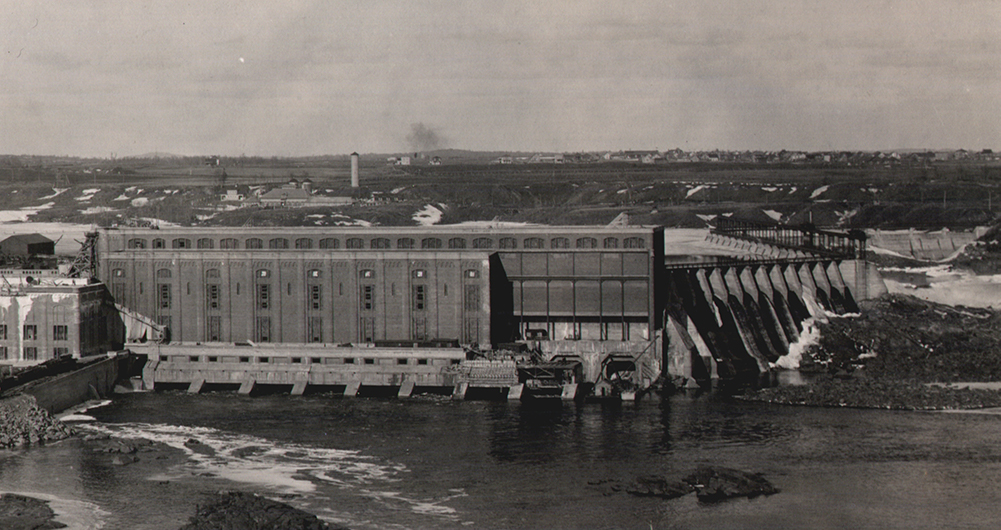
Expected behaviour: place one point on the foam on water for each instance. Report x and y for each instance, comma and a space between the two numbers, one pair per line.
281, 468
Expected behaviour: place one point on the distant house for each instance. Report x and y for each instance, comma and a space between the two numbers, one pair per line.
287, 196
27, 245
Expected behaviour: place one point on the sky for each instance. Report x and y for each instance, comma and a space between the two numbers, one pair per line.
296, 77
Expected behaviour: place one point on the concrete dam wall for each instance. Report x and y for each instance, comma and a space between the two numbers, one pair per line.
725, 322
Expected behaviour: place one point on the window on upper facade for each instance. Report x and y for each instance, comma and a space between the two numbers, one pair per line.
405, 242
430, 242
60, 332
137, 243
611, 242
303, 243
180, 242
457, 242
278, 243
254, 243
633, 242
559, 242
534, 242
587, 242
228, 243
330, 242
508, 242
354, 243
206, 243
159, 243
483, 242
379, 243
163, 273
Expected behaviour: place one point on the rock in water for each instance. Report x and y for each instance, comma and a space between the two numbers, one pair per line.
245, 511
657, 486
18, 512
713, 484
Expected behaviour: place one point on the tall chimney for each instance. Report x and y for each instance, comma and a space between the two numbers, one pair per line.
354, 170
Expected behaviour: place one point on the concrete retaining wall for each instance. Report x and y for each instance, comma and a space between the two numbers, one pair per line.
67, 390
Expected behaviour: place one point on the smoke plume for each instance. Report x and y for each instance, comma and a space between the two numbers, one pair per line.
423, 138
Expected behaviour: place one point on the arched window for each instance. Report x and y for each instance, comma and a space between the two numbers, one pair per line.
314, 273
304, 243
263, 273
587, 242
137, 243
254, 243
181, 243
508, 242
205, 243
118, 273
278, 243
159, 243
211, 273
354, 242
611, 242
329, 242
483, 242
457, 242
559, 242
430, 242
405, 242
163, 273
633, 242
228, 243
379, 242
534, 242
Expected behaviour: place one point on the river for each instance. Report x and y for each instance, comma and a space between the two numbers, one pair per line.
434, 463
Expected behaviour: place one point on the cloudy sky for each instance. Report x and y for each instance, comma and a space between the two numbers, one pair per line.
300, 77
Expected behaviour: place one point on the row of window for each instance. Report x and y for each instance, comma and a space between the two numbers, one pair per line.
400, 361
312, 273
30, 332
31, 353
355, 243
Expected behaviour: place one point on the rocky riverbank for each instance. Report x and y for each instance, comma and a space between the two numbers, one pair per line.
245, 511
22, 423
890, 356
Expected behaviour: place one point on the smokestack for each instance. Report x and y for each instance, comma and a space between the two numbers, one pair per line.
354, 170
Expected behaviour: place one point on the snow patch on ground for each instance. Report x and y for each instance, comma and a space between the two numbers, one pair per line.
205, 217
793, 190
121, 197
131, 188
620, 192
428, 216
769, 188
22, 214
58, 191
96, 209
139, 201
706, 217
398, 190
773, 214
695, 190
949, 287
818, 192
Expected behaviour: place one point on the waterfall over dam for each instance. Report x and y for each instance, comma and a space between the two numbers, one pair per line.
737, 319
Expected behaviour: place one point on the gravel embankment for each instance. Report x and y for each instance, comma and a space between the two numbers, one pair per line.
22, 422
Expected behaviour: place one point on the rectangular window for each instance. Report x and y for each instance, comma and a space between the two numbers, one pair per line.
118, 292
60, 352
263, 296
214, 331
30, 332
263, 329
315, 300
315, 329
60, 332
420, 328
163, 291
3, 353
30, 353
368, 330
212, 293
368, 297
3, 331
420, 297
471, 298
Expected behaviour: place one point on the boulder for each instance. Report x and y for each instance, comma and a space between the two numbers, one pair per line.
714, 484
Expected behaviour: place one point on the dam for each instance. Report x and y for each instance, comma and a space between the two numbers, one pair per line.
563, 312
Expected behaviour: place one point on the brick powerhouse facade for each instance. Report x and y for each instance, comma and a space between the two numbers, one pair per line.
336, 285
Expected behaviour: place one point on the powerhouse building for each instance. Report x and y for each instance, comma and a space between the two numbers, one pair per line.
44, 315
483, 286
